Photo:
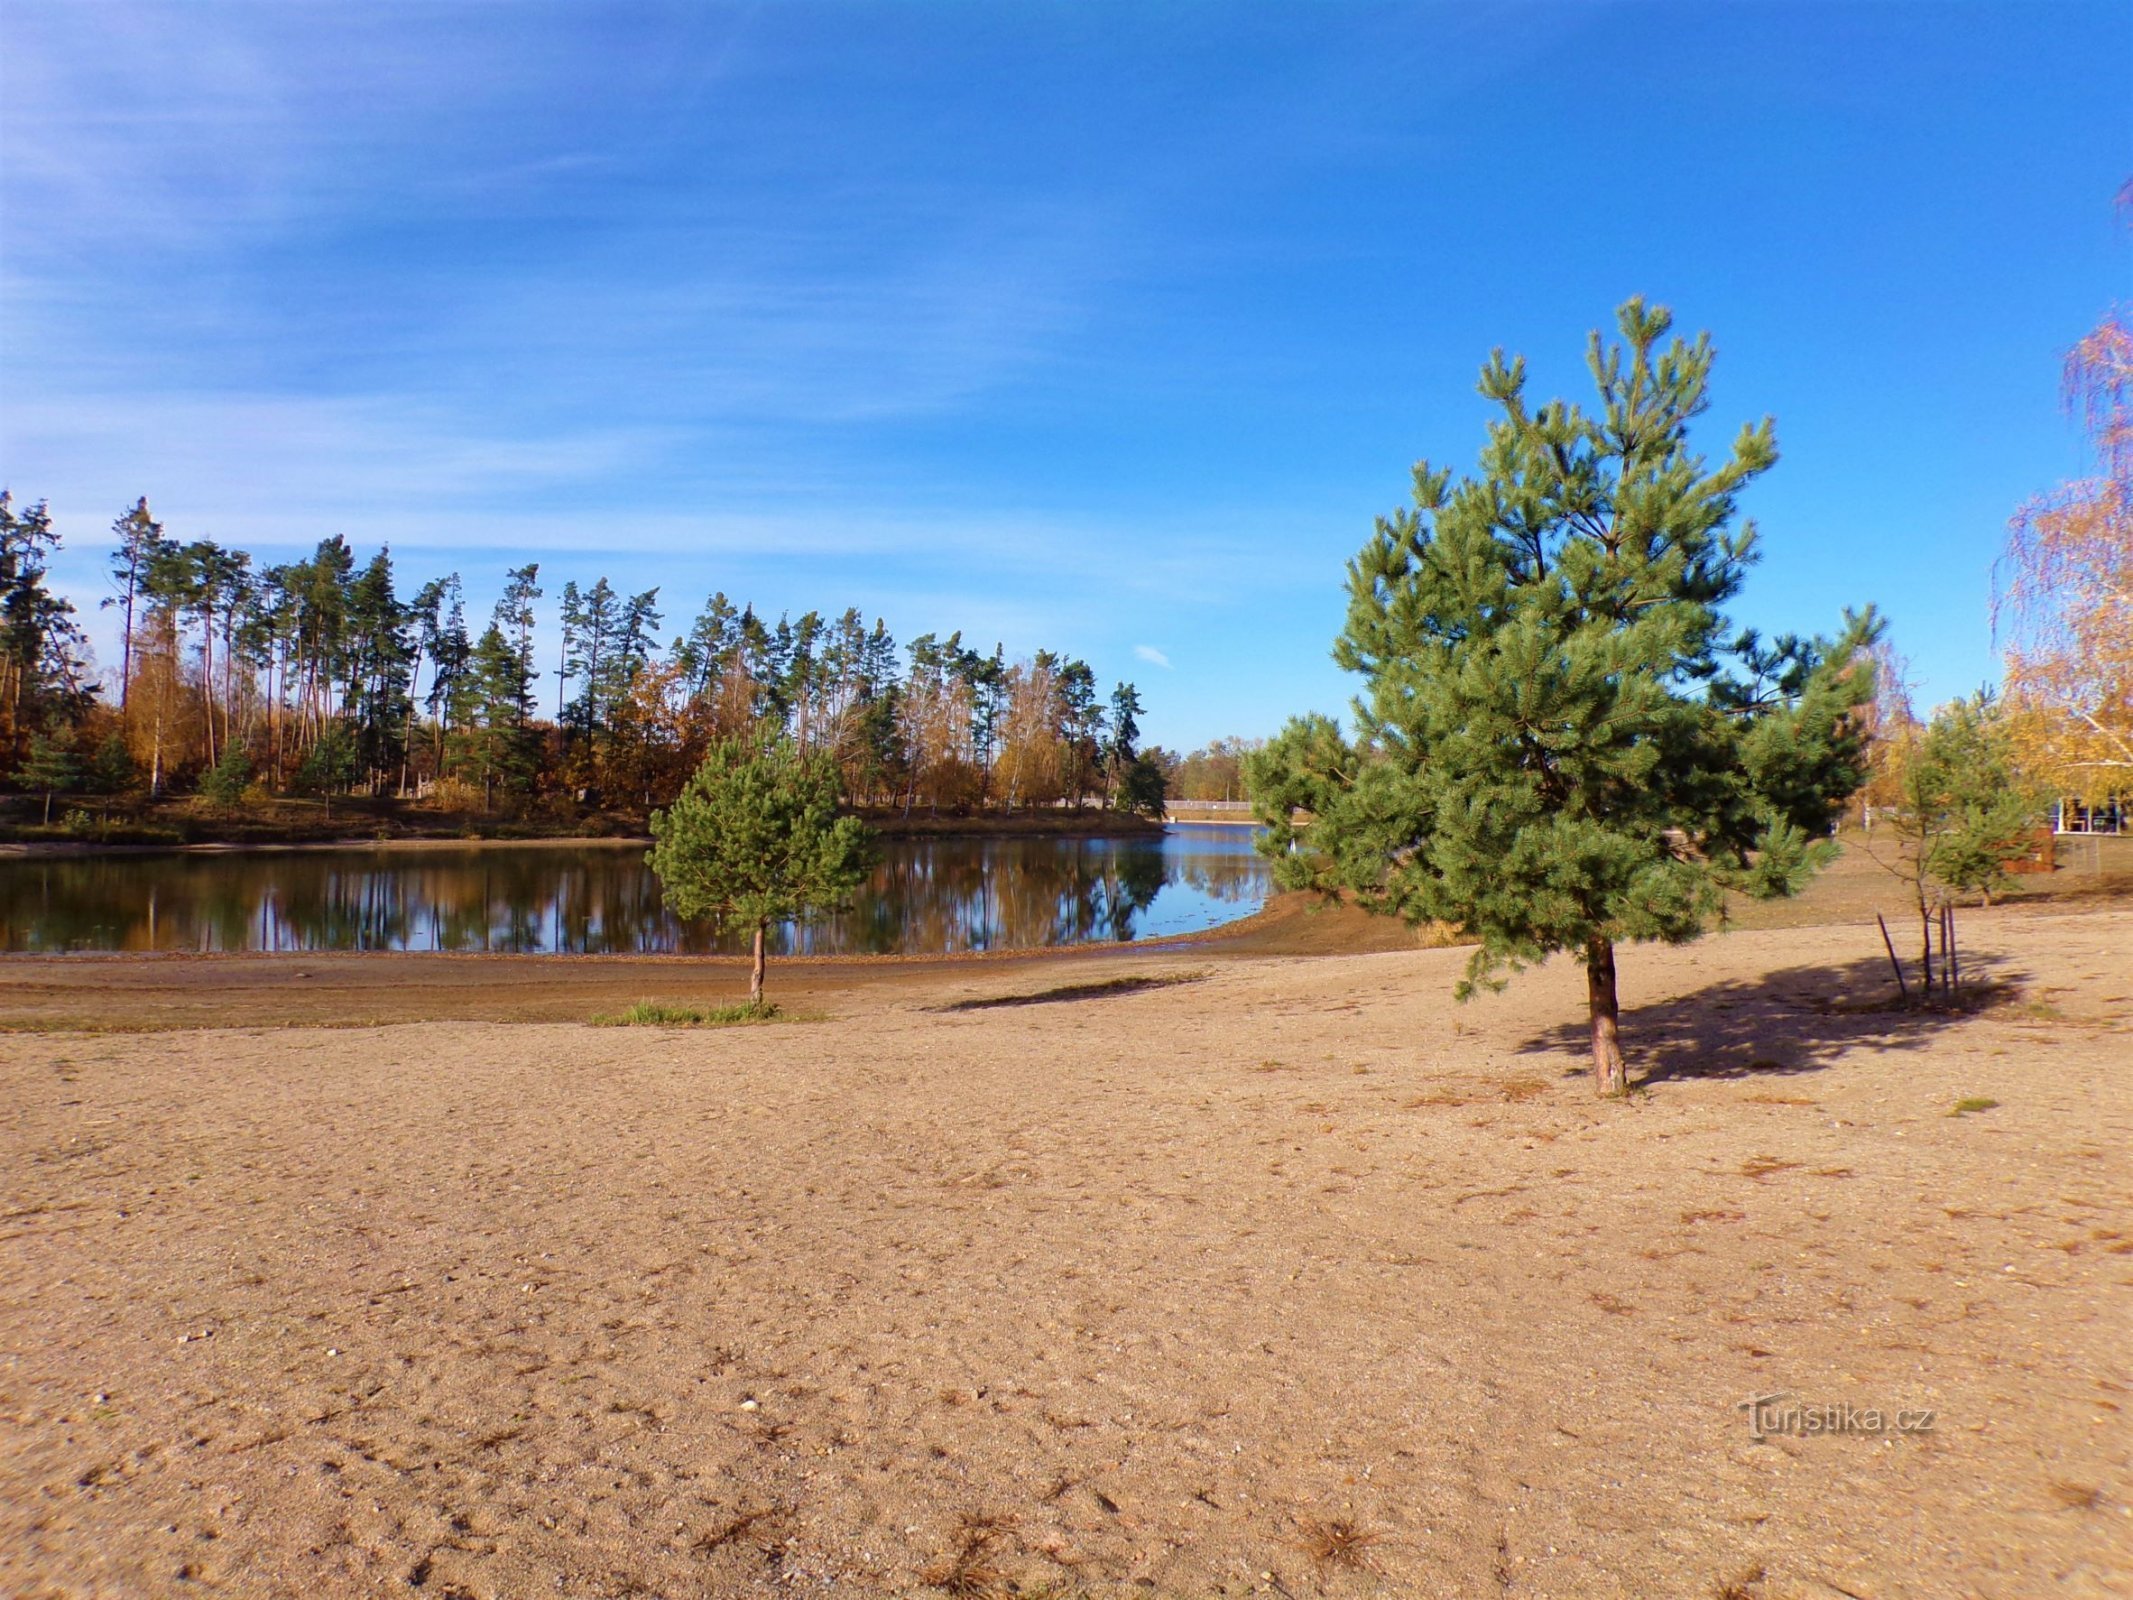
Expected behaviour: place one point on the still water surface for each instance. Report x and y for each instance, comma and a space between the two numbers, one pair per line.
927, 896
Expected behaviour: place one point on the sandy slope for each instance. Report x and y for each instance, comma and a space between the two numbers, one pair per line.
1151, 1292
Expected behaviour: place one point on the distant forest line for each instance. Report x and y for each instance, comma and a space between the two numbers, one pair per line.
240, 683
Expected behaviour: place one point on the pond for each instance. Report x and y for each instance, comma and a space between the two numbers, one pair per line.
928, 896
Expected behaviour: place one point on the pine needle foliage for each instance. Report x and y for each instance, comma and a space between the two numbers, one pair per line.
48, 769
755, 838
1563, 742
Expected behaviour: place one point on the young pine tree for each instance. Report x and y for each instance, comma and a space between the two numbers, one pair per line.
224, 783
111, 769
1563, 744
1975, 811
48, 769
1963, 812
754, 838
329, 766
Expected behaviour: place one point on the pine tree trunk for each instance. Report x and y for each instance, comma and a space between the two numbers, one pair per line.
126, 649
207, 684
755, 971
229, 678
1610, 1075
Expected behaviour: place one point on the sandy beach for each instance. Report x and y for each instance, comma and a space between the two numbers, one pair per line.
1282, 1274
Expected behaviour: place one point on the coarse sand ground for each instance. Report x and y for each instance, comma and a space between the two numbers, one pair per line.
1289, 1277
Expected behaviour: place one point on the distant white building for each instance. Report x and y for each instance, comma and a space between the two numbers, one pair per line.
2113, 816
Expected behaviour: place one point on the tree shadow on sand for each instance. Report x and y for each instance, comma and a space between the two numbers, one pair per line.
1800, 1019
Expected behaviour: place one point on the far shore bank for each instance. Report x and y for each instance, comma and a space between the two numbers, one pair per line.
188, 834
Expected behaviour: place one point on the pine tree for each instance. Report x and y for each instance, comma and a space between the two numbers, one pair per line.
321, 599
514, 615
111, 769
223, 784
1963, 812
1564, 745
802, 680
987, 676
591, 635
49, 769
381, 656
492, 747
1144, 787
444, 633
41, 647
635, 643
426, 618
1967, 782
1122, 749
754, 838
704, 655
329, 767
1081, 721
208, 583
140, 545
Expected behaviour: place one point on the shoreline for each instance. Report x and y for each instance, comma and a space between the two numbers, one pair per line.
1235, 928
1020, 825
125, 991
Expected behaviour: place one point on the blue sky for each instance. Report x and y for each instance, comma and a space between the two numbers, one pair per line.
1102, 327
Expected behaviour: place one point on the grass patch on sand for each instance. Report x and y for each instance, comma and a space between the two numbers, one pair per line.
661, 1014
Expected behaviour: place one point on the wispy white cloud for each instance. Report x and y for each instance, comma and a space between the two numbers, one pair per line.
770, 299
288, 269
276, 474
447, 189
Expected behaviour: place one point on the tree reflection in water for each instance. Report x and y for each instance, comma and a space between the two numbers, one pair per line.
927, 896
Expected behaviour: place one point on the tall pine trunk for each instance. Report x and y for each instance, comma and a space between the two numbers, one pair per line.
755, 971
1610, 1075
126, 646
207, 681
